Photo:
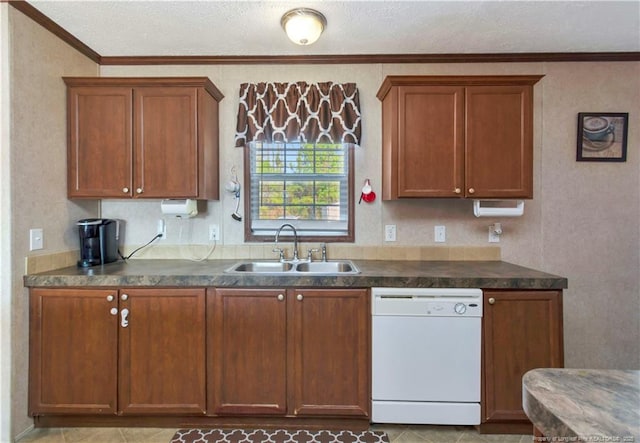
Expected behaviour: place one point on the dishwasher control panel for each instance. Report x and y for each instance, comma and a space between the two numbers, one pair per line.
447, 302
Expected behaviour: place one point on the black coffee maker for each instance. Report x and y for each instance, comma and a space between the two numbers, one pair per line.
98, 241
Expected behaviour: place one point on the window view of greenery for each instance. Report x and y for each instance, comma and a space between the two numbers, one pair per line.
302, 182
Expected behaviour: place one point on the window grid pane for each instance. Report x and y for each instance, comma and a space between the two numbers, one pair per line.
303, 182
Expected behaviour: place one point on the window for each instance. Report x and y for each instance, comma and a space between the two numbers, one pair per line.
305, 184
298, 140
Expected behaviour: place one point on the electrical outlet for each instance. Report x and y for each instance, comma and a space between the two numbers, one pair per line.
214, 232
493, 236
389, 232
162, 228
36, 239
440, 234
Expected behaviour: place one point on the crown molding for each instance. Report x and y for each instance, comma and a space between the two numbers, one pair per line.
374, 58
528, 57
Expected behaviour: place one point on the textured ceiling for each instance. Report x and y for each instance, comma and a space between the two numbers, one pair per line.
201, 28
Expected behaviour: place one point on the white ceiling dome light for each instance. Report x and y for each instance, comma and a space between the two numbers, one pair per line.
303, 25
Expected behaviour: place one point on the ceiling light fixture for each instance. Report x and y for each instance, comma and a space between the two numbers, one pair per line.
303, 25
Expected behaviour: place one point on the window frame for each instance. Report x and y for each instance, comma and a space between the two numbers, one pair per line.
286, 234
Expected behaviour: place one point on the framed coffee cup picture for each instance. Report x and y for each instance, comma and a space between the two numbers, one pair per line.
602, 136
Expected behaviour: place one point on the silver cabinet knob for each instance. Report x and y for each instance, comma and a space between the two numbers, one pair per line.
280, 297
125, 190
124, 297
139, 190
114, 311
492, 300
457, 190
471, 190
109, 297
299, 297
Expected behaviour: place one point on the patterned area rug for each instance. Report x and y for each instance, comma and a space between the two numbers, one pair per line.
276, 436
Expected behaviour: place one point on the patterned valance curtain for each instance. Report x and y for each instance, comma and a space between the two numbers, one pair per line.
298, 112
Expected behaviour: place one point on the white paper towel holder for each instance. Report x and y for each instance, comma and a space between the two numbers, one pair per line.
179, 207
497, 211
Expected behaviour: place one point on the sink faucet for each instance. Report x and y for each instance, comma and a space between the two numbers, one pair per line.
295, 242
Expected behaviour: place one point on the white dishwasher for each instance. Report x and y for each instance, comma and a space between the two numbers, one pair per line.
426, 345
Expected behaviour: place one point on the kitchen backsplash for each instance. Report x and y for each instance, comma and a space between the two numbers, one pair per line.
48, 262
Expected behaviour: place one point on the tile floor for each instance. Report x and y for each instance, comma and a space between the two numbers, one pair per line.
396, 433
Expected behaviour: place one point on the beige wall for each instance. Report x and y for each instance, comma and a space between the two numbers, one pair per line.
590, 215
38, 171
582, 222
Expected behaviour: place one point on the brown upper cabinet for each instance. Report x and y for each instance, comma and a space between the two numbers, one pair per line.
142, 137
457, 136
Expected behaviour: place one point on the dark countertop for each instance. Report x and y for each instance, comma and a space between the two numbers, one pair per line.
592, 404
374, 273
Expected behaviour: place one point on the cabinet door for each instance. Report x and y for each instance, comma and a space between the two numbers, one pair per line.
73, 351
248, 351
166, 143
329, 345
162, 351
100, 142
522, 331
430, 157
499, 142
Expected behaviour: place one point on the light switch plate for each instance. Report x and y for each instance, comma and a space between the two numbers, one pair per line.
440, 234
36, 239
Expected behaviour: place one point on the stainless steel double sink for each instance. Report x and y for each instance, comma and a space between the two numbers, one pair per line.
333, 267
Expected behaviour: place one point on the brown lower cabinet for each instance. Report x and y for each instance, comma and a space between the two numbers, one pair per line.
124, 352
197, 356
522, 330
249, 365
290, 352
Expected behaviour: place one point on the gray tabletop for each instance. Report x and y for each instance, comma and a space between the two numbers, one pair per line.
600, 405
